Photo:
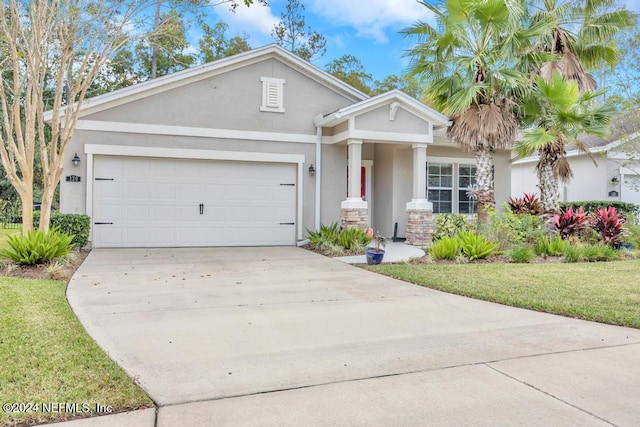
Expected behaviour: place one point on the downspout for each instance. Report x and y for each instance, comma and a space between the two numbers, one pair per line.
318, 175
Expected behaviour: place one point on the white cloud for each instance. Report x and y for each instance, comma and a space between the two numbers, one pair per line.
371, 18
255, 20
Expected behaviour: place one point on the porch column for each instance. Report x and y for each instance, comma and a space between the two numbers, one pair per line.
419, 210
353, 213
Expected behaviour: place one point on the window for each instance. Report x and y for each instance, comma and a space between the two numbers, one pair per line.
272, 95
447, 187
440, 186
466, 179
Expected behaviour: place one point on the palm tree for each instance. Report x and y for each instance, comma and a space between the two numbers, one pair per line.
582, 39
472, 62
560, 114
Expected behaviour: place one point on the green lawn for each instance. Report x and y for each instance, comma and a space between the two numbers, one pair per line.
46, 356
607, 292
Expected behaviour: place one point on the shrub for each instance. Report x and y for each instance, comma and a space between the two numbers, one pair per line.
328, 234
353, 239
521, 254
550, 245
449, 225
445, 248
75, 225
37, 246
633, 236
334, 240
572, 253
629, 211
570, 223
476, 246
593, 253
507, 228
529, 204
609, 224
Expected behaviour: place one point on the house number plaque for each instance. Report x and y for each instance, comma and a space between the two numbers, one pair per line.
73, 178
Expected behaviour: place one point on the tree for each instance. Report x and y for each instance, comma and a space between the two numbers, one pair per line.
215, 45
167, 46
50, 54
582, 39
407, 84
50, 49
293, 34
350, 70
471, 62
178, 8
560, 113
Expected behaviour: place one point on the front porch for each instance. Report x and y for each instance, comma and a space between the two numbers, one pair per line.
387, 137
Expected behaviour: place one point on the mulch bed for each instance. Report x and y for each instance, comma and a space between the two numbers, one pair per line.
43, 271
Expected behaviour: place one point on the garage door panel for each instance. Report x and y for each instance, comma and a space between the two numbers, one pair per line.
156, 202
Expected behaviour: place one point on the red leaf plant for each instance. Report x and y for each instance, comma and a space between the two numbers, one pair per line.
527, 205
570, 223
609, 224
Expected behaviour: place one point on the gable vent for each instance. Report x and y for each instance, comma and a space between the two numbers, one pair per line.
272, 95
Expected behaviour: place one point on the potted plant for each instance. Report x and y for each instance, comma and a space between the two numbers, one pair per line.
375, 253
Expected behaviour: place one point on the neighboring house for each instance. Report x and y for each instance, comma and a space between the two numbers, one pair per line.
255, 149
612, 172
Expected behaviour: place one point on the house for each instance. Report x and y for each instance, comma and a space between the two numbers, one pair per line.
255, 149
611, 172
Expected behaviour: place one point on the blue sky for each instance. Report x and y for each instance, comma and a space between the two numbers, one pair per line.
367, 29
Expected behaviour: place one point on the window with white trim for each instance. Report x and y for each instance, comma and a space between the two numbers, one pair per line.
272, 95
448, 187
466, 180
440, 186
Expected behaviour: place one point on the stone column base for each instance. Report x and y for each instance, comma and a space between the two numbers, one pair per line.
354, 218
419, 227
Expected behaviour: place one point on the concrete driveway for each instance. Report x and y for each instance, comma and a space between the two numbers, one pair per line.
265, 336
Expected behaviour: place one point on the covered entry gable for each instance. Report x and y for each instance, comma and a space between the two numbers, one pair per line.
393, 117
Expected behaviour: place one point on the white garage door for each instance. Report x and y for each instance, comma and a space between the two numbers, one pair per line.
630, 189
149, 202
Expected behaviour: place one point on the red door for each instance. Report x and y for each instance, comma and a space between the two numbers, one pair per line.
363, 181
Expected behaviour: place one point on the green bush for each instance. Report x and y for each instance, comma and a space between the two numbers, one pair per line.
572, 253
445, 248
633, 236
354, 239
334, 240
521, 254
507, 228
593, 253
328, 234
628, 210
37, 246
550, 245
448, 225
476, 246
75, 225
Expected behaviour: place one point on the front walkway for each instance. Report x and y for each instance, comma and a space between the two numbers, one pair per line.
266, 336
394, 252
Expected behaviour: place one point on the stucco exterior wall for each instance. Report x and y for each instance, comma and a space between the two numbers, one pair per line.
334, 182
590, 181
402, 187
383, 177
232, 100
378, 120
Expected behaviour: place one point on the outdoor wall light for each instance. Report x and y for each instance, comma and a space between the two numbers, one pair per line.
75, 160
312, 170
